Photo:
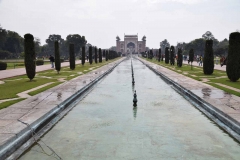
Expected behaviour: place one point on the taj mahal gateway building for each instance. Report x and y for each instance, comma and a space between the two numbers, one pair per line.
130, 44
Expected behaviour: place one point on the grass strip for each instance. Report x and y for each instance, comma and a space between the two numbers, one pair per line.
9, 103
44, 88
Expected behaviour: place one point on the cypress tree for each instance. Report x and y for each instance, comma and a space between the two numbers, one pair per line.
159, 54
29, 59
57, 57
208, 60
90, 55
72, 56
106, 55
172, 56
151, 54
83, 55
233, 58
166, 55
180, 58
100, 55
191, 55
95, 56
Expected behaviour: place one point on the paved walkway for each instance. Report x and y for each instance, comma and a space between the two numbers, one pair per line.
22, 71
217, 66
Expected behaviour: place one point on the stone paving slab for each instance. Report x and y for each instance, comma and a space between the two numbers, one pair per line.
227, 103
35, 107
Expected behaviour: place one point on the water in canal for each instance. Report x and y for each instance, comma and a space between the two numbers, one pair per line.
104, 124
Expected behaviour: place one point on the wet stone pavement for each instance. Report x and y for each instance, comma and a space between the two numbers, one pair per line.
164, 125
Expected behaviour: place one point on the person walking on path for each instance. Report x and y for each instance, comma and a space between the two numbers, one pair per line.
200, 60
51, 58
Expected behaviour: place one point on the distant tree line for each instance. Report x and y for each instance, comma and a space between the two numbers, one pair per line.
12, 45
220, 48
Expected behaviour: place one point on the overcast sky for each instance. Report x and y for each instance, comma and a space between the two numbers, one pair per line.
100, 21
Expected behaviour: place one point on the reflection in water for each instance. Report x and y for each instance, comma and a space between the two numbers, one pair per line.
135, 112
133, 89
206, 92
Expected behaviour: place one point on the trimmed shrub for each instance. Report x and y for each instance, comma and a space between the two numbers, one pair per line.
107, 55
57, 57
29, 59
100, 55
180, 58
71, 56
151, 54
159, 54
172, 56
104, 53
95, 55
83, 55
191, 56
166, 55
90, 55
233, 58
39, 62
208, 60
3, 65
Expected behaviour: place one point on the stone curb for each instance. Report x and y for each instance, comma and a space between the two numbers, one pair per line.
223, 117
13, 144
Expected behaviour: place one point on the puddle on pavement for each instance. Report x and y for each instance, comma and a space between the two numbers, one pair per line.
104, 125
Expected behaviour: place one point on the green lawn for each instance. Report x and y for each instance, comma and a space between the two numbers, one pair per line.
9, 103
197, 74
11, 87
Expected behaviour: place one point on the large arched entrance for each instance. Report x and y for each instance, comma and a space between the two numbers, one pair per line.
130, 47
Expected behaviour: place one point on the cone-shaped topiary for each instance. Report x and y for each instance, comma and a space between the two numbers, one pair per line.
166, 55
57, 57
106, 55
90, 55
191, 56
208, 60
159, 54
95, 55
233, 58
29, 60
71, 56
83, 55
100, 55
151, 54
172, 56
180, 58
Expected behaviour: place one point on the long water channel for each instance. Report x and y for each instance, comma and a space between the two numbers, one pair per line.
164, 125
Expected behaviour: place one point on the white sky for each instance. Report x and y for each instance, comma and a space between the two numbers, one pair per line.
100, 21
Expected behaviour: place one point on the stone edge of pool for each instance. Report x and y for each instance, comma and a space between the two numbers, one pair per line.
230, 122
15, 142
